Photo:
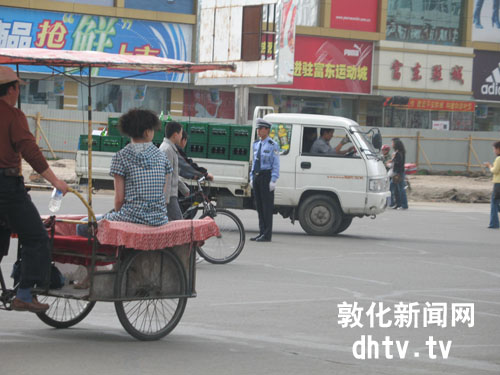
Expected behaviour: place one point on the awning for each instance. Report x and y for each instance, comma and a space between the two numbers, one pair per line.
68, 58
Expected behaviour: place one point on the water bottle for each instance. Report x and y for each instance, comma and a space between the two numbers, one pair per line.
55, 200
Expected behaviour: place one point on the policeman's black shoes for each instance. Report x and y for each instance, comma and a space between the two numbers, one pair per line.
263, 239
260, 238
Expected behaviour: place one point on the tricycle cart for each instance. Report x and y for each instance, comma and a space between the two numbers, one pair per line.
150, 270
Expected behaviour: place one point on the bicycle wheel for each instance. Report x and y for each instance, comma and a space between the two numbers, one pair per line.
147, 280
64, 312
226, 247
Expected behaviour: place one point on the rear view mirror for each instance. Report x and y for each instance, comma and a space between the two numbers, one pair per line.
377, 141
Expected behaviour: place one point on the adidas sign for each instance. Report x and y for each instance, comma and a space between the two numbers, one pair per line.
492, 83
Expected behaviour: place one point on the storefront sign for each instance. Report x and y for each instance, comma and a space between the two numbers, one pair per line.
173, 6
486, 75
23, 28
440, 105
441, 125
360, 15
325, 64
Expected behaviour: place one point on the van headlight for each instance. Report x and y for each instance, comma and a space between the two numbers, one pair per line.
378, 185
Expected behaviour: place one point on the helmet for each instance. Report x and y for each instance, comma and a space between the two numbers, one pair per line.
386, 148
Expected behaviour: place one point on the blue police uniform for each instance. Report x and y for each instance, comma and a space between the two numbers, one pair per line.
265, 169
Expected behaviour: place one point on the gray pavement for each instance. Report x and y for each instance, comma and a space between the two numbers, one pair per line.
275, 309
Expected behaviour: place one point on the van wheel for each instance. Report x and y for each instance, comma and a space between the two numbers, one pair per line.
344, 224
320, 215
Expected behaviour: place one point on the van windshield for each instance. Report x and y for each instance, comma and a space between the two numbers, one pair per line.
364, 142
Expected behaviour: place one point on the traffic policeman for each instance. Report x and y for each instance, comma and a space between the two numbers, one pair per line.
263, 176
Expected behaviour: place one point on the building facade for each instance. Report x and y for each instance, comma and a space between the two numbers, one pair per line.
351, 56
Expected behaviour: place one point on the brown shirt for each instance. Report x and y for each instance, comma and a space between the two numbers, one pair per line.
16, 140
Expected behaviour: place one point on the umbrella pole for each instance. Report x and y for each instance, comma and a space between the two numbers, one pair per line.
89, 192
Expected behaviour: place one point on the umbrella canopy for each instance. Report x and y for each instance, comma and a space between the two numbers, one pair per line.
68, 58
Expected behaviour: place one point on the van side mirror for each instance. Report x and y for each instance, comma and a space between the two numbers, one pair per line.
377, 141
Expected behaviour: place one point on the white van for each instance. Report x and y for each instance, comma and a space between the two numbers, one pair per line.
324, 192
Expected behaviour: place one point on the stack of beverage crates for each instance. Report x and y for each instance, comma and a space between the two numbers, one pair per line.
205, 140
218, 141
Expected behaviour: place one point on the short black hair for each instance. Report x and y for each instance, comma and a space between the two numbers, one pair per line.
323, 131
496, 144
136, 121
5, 87
171, 128
184, 134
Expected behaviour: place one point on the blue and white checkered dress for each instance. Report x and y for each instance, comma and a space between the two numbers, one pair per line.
144, 168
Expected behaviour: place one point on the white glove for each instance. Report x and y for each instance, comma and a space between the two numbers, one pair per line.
272, 186
251, 184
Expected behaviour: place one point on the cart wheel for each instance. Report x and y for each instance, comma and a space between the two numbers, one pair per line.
148, 280
64, 312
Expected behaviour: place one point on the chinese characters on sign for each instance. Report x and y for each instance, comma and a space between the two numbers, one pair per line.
441, 105
15, 35
80, 32
333, 65
456, 72
396, 70
330, 71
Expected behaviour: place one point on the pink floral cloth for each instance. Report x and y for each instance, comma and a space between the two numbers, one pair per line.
145, 237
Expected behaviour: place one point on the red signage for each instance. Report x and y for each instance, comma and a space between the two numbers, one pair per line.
203, 103
359, 15
441, 105
337, 65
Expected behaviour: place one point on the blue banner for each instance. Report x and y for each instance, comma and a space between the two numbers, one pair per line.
24, 28
173, 6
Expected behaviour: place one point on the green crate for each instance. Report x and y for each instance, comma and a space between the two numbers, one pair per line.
83, 143
219, 134
159, 134
125, 141
239, 153
241, 135
218, 152
198, 132
196, 150
111, 143
113, 126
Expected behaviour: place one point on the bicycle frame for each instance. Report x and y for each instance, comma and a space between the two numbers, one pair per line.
208, 207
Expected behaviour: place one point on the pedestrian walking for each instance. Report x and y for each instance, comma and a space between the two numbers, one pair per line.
398, 178
495, 196
263, 177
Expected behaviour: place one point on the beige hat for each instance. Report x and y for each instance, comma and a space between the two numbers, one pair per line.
8, 75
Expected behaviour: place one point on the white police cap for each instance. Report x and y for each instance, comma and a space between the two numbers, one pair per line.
261, 123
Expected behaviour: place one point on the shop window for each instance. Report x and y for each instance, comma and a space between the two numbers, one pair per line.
255, 100
120, 98
435, 22
41, 92
208, 104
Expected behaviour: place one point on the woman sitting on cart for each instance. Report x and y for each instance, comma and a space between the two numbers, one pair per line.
140, 172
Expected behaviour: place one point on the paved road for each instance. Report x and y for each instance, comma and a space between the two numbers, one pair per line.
275, 309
